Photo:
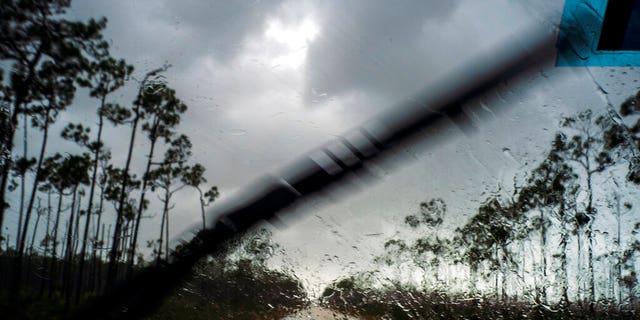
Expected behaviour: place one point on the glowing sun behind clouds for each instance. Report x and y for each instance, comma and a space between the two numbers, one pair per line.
295, 38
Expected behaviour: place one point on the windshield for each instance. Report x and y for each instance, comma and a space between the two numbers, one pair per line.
124, 137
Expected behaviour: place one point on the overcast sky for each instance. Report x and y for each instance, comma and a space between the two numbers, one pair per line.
266, 81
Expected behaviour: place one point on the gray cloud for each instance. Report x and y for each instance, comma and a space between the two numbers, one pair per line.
151, 32
217, 28
377, 46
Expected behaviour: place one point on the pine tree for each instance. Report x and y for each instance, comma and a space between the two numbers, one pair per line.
586, 149
147, 82
545, 190
56, 87
162, 111
194, 177
168, 178
39, 43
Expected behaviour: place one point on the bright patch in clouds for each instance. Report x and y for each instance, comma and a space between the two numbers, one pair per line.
295, 38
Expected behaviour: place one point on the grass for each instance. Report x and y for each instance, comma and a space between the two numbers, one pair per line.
401, 302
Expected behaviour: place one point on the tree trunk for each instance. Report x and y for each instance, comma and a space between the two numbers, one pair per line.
124, 244
68, 257
54, 257
97, 265
612, 276
36, 181
165, 214
592, 292
18, 262
166, 235
473, 275
101, 260
619, 250
564, 282
23, 181
67, 286
48, 227
543, 253
579, 264
495, 272
22, 92
8, 144
505, 271
524, 266
204, 223
94, 178
35, 231
47, 239
145, 180
76, 228
33, 239
114, 254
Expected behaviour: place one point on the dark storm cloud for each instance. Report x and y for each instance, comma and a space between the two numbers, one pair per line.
376, 46
182, 33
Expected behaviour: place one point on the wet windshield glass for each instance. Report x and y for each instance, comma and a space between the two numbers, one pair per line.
124, 137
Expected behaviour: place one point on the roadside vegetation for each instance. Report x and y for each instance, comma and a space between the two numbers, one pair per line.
561, 242
237, 284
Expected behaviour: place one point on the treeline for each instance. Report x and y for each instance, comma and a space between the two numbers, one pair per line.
358, 295
236, 283
565, 237
79, 214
